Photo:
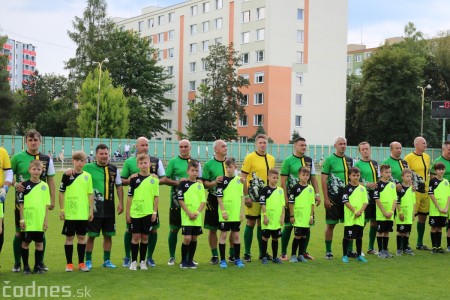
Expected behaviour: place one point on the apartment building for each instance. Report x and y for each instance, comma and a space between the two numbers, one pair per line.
293, 53
21, 62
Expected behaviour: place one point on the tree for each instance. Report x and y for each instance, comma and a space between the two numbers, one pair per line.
6, 98
353, 130
295, 135
218, 106
113, 110
259, 130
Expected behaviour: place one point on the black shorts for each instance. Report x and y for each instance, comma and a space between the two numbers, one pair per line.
36, 236
191, 230
385, 226
267, 233
370, 213
142, 225
106, 225
175, 218
335, 214
72, 227
227, 226
353, 232
437, 221
301, 231
404, 228
252, 217
211, 213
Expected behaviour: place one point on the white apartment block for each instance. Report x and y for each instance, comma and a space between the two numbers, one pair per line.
293, 53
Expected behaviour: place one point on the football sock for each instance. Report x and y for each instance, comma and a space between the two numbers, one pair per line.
285, 236
68, 249
127, 243
152, 239
248, 237
172, 243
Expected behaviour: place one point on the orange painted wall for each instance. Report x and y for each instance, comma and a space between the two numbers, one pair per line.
231, 22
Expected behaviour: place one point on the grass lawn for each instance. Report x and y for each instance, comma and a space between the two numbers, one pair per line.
406, 277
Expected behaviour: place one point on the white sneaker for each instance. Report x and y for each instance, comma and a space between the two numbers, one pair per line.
143, 265
133, 266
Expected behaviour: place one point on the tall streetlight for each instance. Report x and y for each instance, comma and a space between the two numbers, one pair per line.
428, 86
106, 60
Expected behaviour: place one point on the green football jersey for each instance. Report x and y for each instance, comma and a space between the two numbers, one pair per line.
387, 194
336, 167
447, 166
193, 194
211, 170
406, 200
292, 164
231, 191
273, 199
302, 197
35, 200
143, 189
76, 191
397, 166
441, 191
370, 171
357, 196
130, 167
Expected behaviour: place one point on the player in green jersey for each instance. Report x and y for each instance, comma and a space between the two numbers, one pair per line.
439, 192
76, 202
369, 176
129, 170
191, 197
105, 177
334, 179
230, 201
405, 213
33, 206
289, 177
19, 165
176, 172
355, 201
445, 159
6, 177
272, 209
142, 209
301, 213
386, 199
396, 163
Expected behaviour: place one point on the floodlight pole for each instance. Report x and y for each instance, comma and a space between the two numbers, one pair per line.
428, 86
98, 95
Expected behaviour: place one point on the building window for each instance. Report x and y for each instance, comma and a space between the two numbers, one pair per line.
259, 77
192, 67
140, 25
300, 36
160, 54
260, 55
160, 37
205, 7
151, 23
204, 64
258, 120
192, 85
243, 121
245, 58
246, 16
259, 99
245, 37
171, 17
298, 99
193, 47
170, 52
219, 4
193, 29
218, 41
299, 57
169, 70
168, 124
260, 34
243, 139
218, 23
205, 46
205, 26
298, 121
160, 20
194, 10
300, 13
299, 78
244, 100
171, 34
349, 59
358, 71
358, 57
260, 13
245, 76
368, 54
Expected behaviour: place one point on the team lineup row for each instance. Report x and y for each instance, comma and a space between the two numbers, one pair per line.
94, 212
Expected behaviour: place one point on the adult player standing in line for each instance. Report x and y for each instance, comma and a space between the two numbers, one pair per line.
19, 165
6, 178
397, 164
289, 177
255, 170
334, 179
420, 163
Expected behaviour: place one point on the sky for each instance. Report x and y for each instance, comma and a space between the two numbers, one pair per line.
44, 23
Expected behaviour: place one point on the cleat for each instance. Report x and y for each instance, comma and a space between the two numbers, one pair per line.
26, 270
133, 266
352, 254
307, 256
231, 259
82, 267
264, 261
422, 247
16, 268
302, 258
69, 268
382, 254
214, 260
89, 264
43, 267
192, 265
126, 262
293, 259
238, 263
440, 250
329, 255
345, 259
223, 264
388, 255
399, 252
284, 257
372, 251
171, 261
277, 260
247, 258
408, 251
143, 265
151, 262
38, 270
184, 265
195, 263
109, 264
361, 259
448, 249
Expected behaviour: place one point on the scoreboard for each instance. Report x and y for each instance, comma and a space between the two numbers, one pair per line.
440, 109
